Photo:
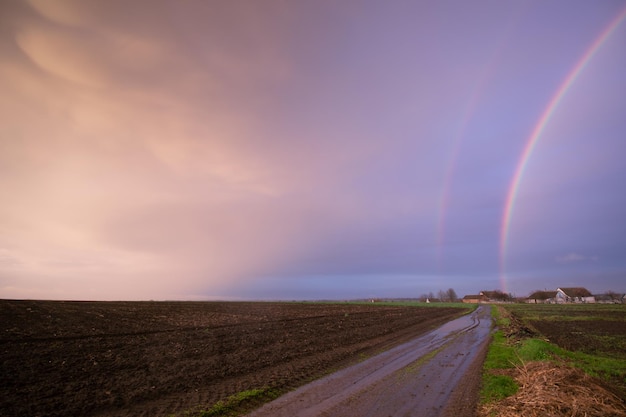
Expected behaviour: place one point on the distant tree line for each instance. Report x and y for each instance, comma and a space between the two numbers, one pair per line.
500, 296
448, 296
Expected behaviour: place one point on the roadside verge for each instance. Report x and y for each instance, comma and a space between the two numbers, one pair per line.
524, 374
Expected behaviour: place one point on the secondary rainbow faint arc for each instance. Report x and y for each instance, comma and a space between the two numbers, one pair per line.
536, 134
468, 113
447, 182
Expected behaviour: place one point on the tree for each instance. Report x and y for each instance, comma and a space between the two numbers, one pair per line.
500, 296
451, 295
614, 296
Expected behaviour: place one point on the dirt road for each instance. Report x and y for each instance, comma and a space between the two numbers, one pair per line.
437, 374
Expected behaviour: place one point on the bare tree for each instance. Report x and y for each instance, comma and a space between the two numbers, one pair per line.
501, 296
451, 295
614, 296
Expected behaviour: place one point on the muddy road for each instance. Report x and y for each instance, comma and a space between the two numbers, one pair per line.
437, 374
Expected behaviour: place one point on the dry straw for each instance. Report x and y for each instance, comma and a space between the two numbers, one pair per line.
551, 390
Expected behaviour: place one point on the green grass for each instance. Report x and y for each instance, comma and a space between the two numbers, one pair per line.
501, 355
497, 387
537, 350
235, 404
594, 365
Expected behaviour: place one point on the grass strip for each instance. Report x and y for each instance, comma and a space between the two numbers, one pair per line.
236, 404
501, 355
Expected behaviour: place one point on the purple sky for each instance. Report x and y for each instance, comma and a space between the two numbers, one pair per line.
309, 149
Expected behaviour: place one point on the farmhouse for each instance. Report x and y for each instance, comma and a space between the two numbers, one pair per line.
472, 299
542, 297
574, 295
487, 296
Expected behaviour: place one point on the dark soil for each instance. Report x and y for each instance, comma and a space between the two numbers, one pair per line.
166, 358
589, 336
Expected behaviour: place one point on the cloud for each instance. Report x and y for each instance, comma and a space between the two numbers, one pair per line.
575, 257
68, 12
8, 259
68, 57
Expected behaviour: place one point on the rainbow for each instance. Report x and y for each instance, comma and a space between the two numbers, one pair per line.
532, 140
447, 182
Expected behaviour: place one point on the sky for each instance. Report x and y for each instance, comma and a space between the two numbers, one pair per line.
278, 150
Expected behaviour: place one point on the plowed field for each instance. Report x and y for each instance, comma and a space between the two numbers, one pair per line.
164, 358
597, 329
